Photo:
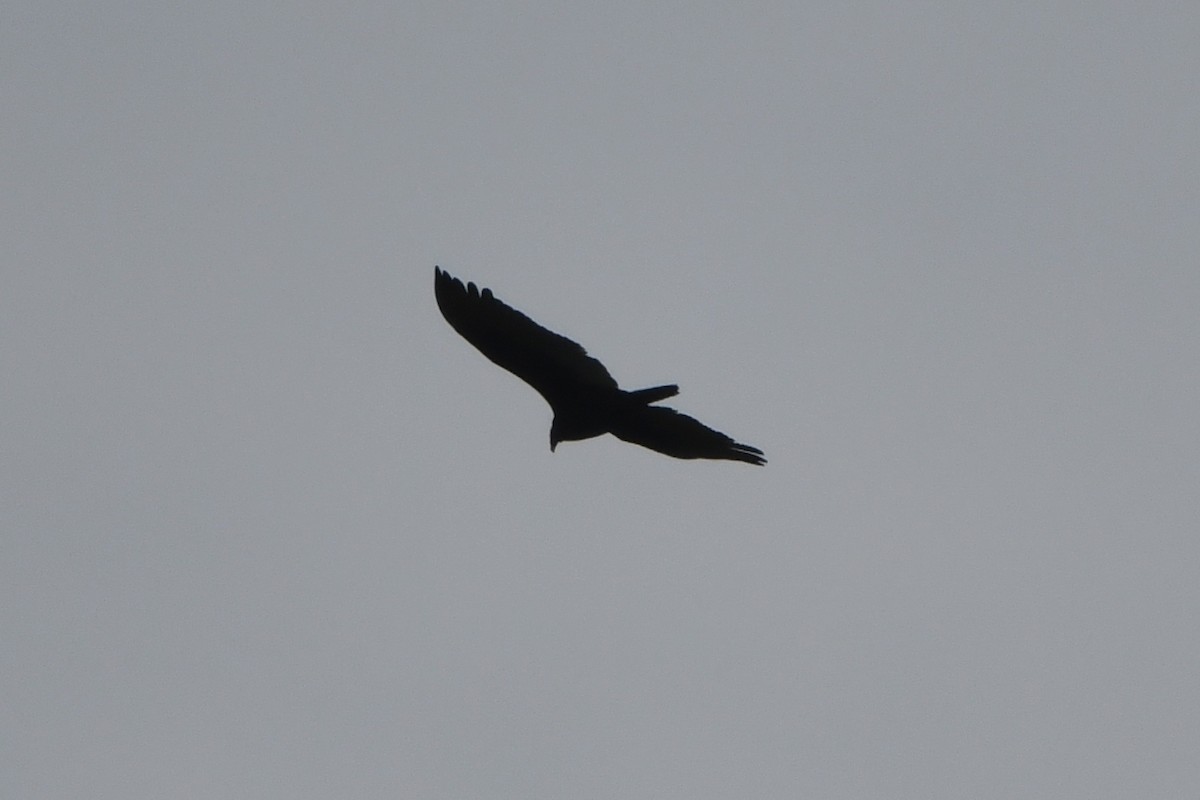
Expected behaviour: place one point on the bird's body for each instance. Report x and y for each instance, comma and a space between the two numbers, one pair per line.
585, 398
596, 411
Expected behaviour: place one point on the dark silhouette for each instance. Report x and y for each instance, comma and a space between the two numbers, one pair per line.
584, 397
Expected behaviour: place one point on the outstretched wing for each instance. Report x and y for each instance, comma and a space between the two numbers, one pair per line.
665, 430
554, 365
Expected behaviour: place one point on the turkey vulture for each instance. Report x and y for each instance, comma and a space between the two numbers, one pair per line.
584, 397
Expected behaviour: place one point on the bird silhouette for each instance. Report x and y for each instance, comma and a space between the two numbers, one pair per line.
584, 397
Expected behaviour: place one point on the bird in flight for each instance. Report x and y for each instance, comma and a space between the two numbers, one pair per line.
585, 399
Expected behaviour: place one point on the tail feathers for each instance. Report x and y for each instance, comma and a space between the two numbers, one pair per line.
655, 393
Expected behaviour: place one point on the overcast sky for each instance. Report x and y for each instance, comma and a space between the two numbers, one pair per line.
271, 529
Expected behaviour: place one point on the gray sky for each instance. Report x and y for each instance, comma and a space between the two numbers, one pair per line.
271, 529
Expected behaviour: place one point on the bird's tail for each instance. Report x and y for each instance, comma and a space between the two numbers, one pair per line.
655, 393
